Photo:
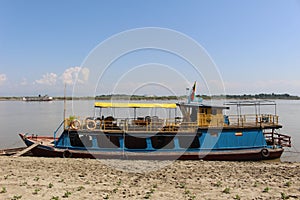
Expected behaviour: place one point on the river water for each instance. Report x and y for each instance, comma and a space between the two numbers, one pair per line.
43, 118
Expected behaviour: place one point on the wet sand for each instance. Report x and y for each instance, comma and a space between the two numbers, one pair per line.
56, 178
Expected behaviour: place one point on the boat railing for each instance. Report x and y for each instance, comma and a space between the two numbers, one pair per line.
274, 138
130, 124
253, 120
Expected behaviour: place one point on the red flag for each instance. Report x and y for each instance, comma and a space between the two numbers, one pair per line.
192, 96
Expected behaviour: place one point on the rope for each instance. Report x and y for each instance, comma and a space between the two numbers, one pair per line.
293, 151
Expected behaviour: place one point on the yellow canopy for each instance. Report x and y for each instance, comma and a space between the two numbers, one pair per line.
134, 105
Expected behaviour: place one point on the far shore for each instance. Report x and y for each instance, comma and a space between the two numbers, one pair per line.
167, 98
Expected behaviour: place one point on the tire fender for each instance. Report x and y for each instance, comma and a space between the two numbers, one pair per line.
265, 153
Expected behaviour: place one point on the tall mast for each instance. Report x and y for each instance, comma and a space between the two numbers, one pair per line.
65, 105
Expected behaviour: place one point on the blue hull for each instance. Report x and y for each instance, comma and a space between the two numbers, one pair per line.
250, 154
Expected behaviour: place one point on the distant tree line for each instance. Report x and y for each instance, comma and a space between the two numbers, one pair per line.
149, 98
135, 97
243, 96
259, 96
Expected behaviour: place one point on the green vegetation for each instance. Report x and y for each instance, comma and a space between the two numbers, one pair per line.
11, 98
237, 197
218, 184
80, 188
164, 98
284, 196
256, 96
186, 192
106, 196
15, 197
115, 190
135, 97
149, 193
71, 119
226, 190
242, 96
67, 194
182, 185
3, 190
266, 189
119, 182
23, 184
61, 180
288, 184
36, 191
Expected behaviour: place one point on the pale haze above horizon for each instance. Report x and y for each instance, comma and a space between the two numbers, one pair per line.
254, 45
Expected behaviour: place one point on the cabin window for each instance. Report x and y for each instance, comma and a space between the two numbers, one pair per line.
203, 110
162, 142
80, 140
108, 141
86, 140
75, 140
135, 142
194, 114
188, 142
214, 111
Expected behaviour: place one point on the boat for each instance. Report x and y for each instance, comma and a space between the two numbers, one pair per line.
38, 98
198, 132
11, 151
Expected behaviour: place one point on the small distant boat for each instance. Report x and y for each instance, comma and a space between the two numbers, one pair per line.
38, 98
198, 132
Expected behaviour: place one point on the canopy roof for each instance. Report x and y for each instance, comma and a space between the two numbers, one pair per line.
251, 103
134, 105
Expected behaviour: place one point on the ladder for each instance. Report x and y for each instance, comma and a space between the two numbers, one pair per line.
20, 153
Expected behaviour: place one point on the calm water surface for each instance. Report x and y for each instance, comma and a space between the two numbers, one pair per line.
43, 118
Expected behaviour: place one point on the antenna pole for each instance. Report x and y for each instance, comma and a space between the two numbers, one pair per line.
65, 105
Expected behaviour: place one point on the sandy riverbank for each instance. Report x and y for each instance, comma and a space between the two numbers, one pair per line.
55, 178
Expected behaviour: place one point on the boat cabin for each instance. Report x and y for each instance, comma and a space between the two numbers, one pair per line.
204, 115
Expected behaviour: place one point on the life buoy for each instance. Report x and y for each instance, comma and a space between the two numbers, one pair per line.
67, 154
90, 124
148, 119
265, 153
75, 124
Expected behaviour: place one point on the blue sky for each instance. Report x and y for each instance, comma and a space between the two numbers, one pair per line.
255, 44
